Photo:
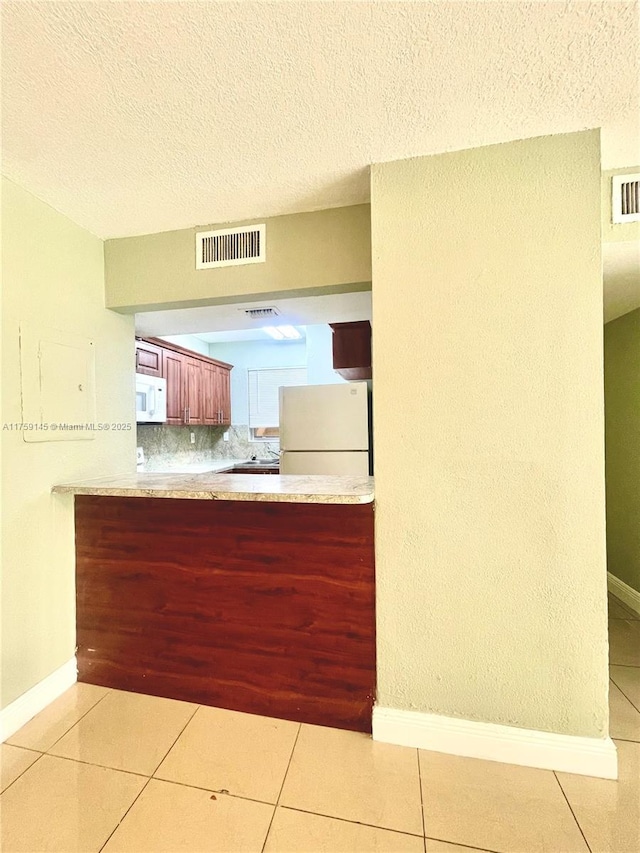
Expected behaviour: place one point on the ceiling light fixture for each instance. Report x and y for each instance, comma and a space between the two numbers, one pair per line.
274, 332
290, 332
281, 333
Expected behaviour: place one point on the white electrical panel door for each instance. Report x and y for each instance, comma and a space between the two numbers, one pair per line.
58, 386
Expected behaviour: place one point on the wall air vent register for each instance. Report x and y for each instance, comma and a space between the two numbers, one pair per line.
230, 247
625, 198
259, 313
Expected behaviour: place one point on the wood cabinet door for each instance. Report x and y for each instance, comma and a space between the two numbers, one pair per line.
352, 349
174, 373
224, 379
148, 359
216, 394
198, 389
193, 391
210, 407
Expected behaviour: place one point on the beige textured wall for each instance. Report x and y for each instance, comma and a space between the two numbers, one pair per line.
307, 253
622, 409
488, 419
52, 277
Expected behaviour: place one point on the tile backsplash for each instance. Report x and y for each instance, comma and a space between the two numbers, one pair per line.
162, 443
238, 446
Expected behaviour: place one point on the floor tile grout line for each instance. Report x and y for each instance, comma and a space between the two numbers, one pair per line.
571, 810
88, 711
26, 748
149, 778
176, 740
357, 822
135, 800
627, 665
424, 828
72, 726
284, 779
141, 776
210, 790
33, 764
458, 844
630, 701
101, 766
286, 772
624, 739
289, 808
331, 817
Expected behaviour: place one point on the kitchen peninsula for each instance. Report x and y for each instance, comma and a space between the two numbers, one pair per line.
246, 592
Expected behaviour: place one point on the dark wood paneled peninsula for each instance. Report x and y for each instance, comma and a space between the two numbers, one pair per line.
238, 591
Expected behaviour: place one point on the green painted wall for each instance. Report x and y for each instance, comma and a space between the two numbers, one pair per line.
306, 254
489, 424
622, 419
53, 279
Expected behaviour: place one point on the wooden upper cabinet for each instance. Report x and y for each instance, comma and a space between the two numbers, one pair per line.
216, 387
149, 359
352, 349
198, 388
225, 395
209, 395
174, 373
193, 391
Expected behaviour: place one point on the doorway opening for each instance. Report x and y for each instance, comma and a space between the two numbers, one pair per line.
272, 386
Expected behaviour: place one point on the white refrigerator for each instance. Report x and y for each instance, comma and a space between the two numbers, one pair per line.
324, 429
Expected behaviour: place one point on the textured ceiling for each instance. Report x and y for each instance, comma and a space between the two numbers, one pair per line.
139, 117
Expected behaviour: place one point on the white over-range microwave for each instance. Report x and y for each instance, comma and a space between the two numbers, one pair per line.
151, 399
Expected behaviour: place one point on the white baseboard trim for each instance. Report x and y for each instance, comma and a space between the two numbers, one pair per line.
624, 592
20, 711
529, 748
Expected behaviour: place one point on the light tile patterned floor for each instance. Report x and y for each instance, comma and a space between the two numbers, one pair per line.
107, 770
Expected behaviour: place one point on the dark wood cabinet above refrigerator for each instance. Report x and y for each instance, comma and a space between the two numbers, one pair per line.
352, 349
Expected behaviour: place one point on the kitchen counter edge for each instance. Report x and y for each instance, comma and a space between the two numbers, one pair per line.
275, 488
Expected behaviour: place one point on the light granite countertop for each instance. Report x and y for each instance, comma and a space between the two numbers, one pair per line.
289, 488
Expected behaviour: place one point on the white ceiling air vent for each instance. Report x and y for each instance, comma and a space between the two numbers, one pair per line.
625, 198
230, 246
260, 313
